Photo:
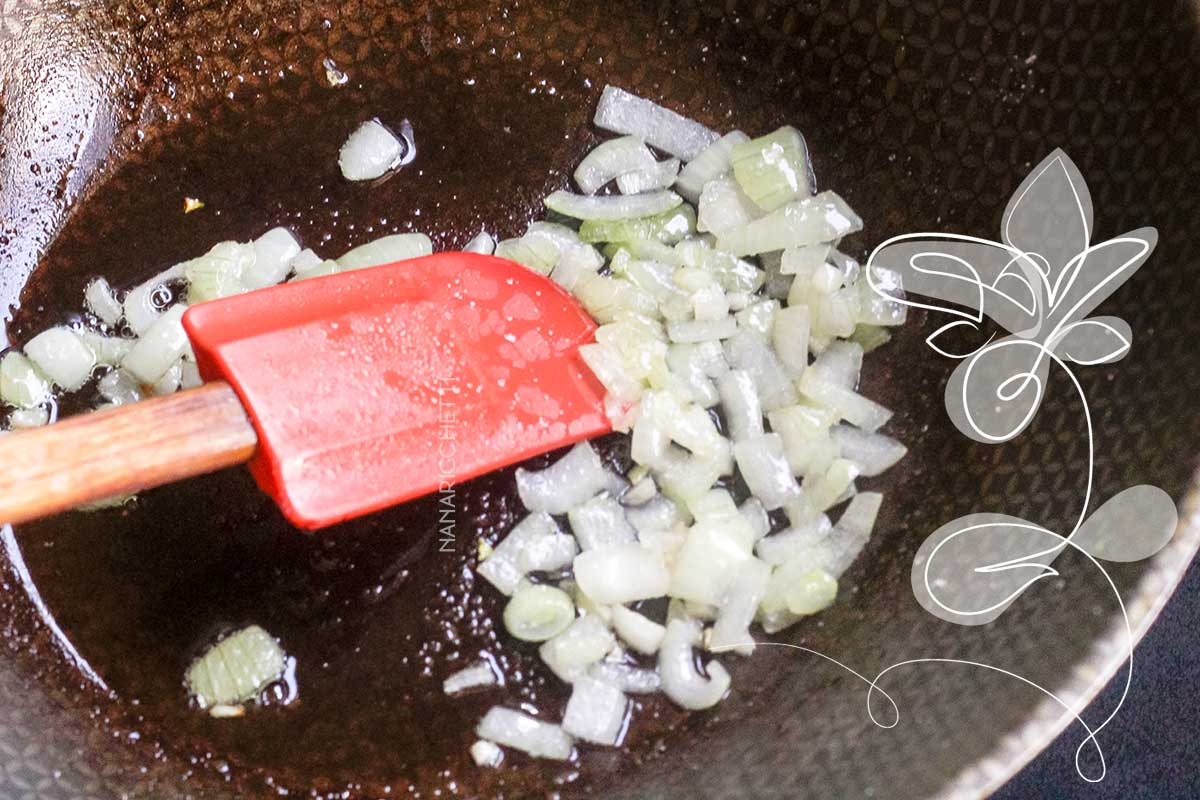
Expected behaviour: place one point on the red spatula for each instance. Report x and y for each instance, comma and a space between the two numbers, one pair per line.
345, 394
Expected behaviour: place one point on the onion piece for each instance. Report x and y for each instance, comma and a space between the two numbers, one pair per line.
650, 179
522, 732
750, 351
681, 682
684, 478
627, 678
60, 355
773, 169
548, 553
622, 573
870, 337
160, 347
397, 247
840, 364
109, 350
876, 310
24, 418
189, 377
806, 440
872, 453
743, 411
849, 405
611, 159
612, 207
146, 301
481, 242
570, 653
755, 515
642, 634
765, 470
575, 262
658, 514
119, 388
596, 712
759, 316
691, 331
738, 607
600, 523
622, 112
169, 382
804, 260
236, 668
789, 335
686, 361
216, 274
821, 218
787, 544
724, 209
710, 164
852, 531
486, 754
535, 252
274, 252
474, 676
370, 152
536, 613
668, 227
102, 301
21, 384
502, 567
708, 560
565, 484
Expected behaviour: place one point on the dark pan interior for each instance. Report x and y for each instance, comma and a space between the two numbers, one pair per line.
925, 116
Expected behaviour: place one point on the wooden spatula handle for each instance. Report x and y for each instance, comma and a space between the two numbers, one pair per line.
122, 450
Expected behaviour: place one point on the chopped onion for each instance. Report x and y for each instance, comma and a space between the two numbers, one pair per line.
306, 260
765, 470
821, 218
370, 152
169, 382
318, 270
59, 354
189, 377
806, 440
481, 673
217, 273
503, 566
738, 607
707, 562
686, 477
750, 351
702, 330
773, 169
872, 453
876, 310
612, 207
755, 515
687, 362
789, 335
565, 484
804, 260
724, 208
575, 262
870, 337
627, 678
668, 227
658, 514
710, 164
840, 364
759, 316
597, 712
642, 491
398, 247
486, 754
522, 732
570, 653
852, 531
622, 573
274, 252
787, 544
119, 388
23, 418
795, 585
548, 553
650, 179
714, 505
538, 612
481, 242
109, 350
236, 669
160, 347
600, 523
642, 634
611, 159
21, 384
743, 411
146, 301
102, 301
621, 112
538, 253
677, 668
849, 405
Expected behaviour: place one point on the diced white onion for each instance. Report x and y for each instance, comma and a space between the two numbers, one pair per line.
849, 405
789, 335
707, 562
486, 754
538, 612
840, 364
872, 453
216, 274
710, 164
21, 384
481, 673
23, 418
481, 242
146, 301
622, 112
787, 544
750, 351
765, 470
101, 300
739, 400
642, 634
370, 151
597, 712
573, 263
693, 330
600, 523
725, 209
160, 347
658, 514
169, 382
804, 259
627, 678
681, 682
274, 252
525, 733
773, 169
611, 159
503, 566
565, 484
738, 607
62, 356
755, 515
109, 350
236, 669
649, 179
570, 653
548, 553
612, 207
398, 247
622, 573
822, 218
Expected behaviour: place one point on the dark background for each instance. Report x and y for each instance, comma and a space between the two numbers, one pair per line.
1152, 747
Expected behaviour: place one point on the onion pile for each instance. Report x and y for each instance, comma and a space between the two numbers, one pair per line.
732, 334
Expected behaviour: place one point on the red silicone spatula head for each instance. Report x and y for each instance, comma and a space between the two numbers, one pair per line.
372, 387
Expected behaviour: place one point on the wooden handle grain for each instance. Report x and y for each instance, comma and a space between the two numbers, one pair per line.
122, 450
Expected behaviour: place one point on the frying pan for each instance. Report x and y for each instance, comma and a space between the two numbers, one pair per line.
924, 115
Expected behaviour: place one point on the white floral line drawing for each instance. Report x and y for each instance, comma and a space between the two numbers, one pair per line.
1039, 283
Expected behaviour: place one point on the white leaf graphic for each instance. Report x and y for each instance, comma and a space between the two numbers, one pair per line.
1099, 340
1134, 524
